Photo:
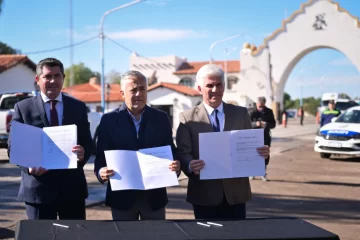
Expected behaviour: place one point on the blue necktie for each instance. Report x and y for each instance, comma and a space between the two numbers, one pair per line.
217, 127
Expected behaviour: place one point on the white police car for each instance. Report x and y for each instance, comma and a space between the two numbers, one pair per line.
341, 136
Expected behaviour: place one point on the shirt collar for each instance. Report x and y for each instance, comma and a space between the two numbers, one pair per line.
46, 99
133, 117
210, 110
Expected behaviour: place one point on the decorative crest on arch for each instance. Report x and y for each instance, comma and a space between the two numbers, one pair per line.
256, 50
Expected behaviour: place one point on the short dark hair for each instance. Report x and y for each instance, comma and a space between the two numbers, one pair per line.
51, 62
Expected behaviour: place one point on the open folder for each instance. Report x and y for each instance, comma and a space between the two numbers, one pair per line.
144, 169
231, 154
48, 147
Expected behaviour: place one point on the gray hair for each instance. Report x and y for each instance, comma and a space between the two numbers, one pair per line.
209, 70
131, 73
262, 99
51, 62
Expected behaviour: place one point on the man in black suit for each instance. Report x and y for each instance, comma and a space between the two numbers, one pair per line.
134, 126
263, 117
49, 193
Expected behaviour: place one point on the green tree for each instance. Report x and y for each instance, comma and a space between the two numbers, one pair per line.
81, 74
113, 77
6, 49
288, 103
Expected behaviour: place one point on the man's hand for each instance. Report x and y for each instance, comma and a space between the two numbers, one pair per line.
197, 165
258, 123
264, 151
79, 150
175, 166
105, 173
37, 171
263, 124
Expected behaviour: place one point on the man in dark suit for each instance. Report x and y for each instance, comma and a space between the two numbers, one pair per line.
263, 117
51, 193
219, 198
134, 126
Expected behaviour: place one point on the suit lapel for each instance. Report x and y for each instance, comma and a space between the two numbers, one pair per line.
39, 104
228, 118
203, 117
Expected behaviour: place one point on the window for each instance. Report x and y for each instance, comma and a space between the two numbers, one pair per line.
187, 82
231, 81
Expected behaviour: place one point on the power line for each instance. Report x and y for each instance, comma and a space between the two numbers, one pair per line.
131, 51
60, 48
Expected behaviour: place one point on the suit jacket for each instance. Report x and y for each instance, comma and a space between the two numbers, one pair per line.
267, 116
210, 192
117, 132
55, 184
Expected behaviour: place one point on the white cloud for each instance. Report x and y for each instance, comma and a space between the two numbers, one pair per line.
341, 62
155, 35
78, 36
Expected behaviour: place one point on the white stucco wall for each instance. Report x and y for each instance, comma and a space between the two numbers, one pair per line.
165, 96
164, 66
112, 106
291, 44
19, 78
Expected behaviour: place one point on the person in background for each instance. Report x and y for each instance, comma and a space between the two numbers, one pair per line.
301, 115
263, 117
329, 113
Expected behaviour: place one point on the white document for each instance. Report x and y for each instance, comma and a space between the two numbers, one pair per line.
49, 147
231, 154
142, 170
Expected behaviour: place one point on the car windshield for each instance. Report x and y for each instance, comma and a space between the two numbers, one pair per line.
345, 105
350, 116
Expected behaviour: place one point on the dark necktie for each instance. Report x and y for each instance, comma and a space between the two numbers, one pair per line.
217, 127
54, 120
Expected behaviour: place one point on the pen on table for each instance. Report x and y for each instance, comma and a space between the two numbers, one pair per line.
216, 224
203, 224
59, 225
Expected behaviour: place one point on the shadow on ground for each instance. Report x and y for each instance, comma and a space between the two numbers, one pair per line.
6, 233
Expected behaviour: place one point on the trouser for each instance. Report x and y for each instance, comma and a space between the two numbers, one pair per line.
140, 209
73, 209
221, 211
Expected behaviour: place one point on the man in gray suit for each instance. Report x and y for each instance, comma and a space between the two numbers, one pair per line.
220, 198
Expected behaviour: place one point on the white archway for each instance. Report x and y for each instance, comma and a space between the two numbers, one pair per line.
318, 24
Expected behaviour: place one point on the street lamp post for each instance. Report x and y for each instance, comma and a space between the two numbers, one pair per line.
108, 88
220, 41
227, 53
101, 35
302, 82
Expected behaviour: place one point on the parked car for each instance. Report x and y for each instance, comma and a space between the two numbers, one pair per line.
343, 104
341, 136
7, 103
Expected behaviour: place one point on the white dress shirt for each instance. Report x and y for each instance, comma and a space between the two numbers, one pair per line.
221, 116
59, 107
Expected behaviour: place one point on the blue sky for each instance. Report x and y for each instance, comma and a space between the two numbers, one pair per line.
185, 28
